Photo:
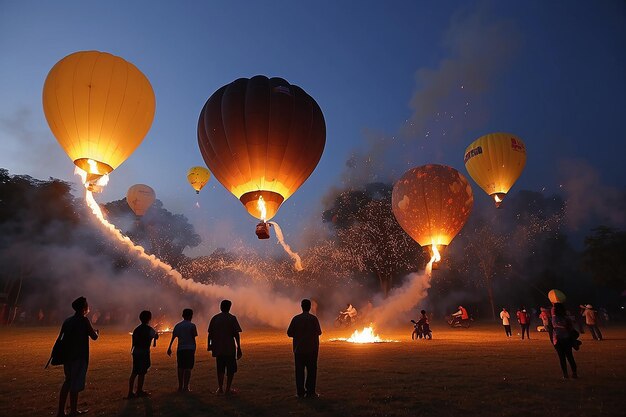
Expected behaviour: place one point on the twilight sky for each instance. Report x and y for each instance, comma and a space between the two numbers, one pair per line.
401, 84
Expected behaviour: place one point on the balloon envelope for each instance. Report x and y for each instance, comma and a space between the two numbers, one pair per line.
432, 203
261, 137
495, 161
99, 107
139, 198
198, 177
556, 296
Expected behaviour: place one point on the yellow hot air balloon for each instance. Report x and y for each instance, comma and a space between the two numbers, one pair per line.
139, 198
261, 138
556, 296
495, 161
432, 203
198, 177
99, 107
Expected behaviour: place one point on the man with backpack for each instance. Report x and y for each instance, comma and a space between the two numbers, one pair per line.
72, 350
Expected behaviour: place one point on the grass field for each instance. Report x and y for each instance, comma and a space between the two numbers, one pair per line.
461, 372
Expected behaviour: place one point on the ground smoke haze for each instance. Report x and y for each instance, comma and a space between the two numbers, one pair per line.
255, 303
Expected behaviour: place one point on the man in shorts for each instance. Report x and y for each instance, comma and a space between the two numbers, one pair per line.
75, 332
225, 346
143, 335
186, 333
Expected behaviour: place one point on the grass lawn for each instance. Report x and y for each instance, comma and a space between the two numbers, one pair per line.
461, 372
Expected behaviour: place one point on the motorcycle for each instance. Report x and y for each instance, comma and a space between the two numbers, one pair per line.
420, 331
456, 321
344, 320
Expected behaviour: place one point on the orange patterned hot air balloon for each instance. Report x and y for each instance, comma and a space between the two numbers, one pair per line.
99, 107
432, 203
495, 161
261, 138
139, 198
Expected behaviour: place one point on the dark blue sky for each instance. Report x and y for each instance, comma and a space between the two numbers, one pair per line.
401, 84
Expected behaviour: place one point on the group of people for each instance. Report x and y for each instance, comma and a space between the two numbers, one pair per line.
223, 341
524, 318
560, 327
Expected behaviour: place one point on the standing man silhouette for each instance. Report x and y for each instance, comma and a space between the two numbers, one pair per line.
225, 346
305, 331
75, 333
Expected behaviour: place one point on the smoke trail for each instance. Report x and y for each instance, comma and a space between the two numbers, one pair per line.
448, 100
405, 298
296, 258
255, 303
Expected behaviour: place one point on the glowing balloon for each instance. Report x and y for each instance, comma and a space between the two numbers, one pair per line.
556, 296
198, 177
495, 161
139, 198
432, 203
261, 138
99, 107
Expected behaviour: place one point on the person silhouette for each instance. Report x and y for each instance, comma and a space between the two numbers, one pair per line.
305, 330
563, 340
186, 333
224, 344
143, 335
75, 331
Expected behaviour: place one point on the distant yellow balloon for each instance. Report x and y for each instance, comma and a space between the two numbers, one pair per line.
556, 296
432, 203
139, 198
99, 107
495, 161
198, 177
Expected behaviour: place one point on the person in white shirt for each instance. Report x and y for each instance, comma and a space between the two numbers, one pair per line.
350, 313
590, 320
186, 333
505, 316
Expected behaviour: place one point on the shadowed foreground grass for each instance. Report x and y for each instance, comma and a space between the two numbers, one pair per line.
463, 372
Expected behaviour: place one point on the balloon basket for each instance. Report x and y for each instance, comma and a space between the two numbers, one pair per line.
262, 230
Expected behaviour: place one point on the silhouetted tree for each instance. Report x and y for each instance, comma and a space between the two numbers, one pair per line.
33, 214
162, 233
604, 257
484, 250
369, 235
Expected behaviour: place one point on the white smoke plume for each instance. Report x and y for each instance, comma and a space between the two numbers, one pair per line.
256, 303
404, 299
281, 239
447, 102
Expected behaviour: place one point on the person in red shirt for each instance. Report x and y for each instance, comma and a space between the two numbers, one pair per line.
523, 318
461, 316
